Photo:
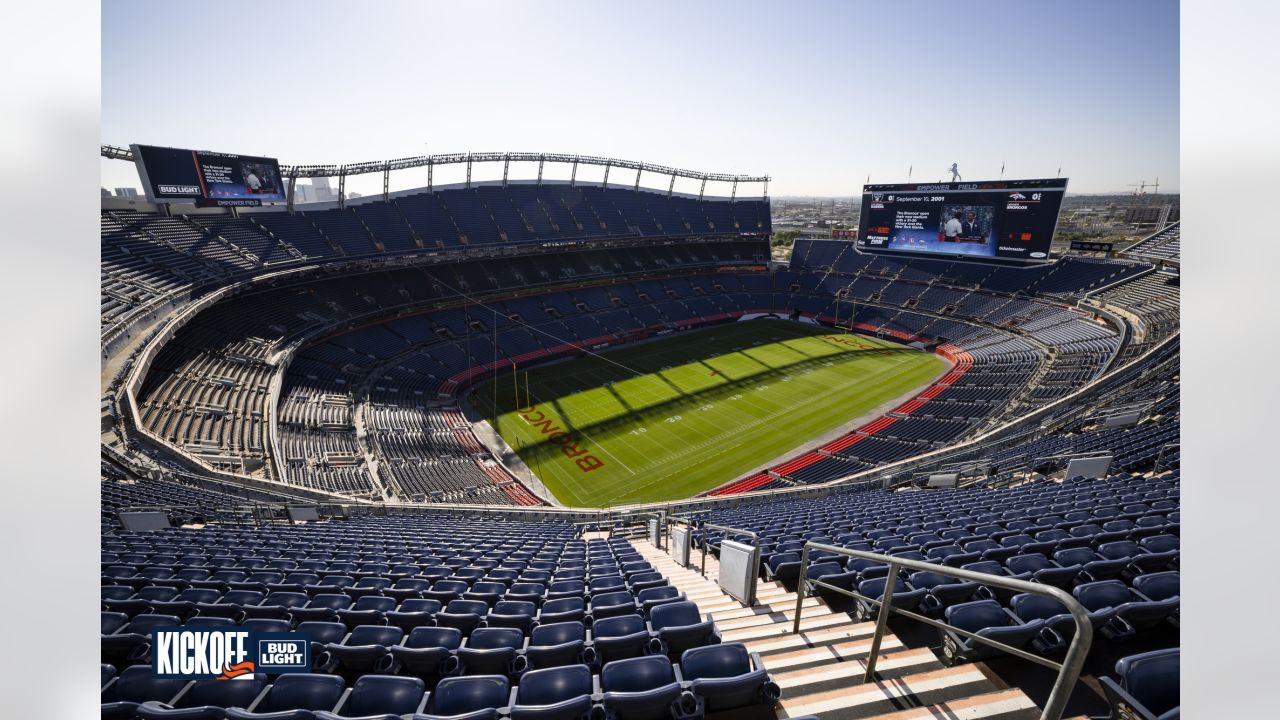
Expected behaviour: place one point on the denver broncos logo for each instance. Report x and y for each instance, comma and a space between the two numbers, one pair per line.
235, 671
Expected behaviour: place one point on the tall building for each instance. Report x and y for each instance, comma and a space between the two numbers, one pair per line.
323, 190
303, 193
126, 192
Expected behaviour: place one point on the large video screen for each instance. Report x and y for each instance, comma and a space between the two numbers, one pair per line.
207, 178
1004, 219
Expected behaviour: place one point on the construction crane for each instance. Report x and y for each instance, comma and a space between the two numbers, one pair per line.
1143, 185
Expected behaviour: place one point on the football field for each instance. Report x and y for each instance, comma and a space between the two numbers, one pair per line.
674, 417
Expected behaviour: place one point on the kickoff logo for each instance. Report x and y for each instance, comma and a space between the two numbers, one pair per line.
226, 654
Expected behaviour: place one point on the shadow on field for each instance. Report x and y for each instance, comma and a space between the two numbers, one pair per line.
552, 409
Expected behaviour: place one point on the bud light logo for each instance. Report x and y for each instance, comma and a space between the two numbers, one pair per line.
283, 652
226, 654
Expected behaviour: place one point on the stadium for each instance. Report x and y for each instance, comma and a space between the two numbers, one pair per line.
516, 446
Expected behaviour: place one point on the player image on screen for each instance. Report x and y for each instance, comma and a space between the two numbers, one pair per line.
260, 179
966, 224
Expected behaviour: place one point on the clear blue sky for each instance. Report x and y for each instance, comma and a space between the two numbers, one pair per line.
817, 94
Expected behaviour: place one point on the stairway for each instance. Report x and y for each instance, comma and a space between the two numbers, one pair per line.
820, 669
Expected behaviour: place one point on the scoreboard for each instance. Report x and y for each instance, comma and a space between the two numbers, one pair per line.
207, 178
1005, 219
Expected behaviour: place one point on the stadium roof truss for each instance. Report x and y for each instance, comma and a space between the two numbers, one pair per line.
293, 172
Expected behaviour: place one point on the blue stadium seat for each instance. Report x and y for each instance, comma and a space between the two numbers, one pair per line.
726, 677
323, 607
321, 633
679, 627
266, 625
1102, 565
783, 567
183, 605
512, 614
428, 652
277, 605
1158, 586
943, 591
379, 697
232, 604
992, 567
205, 699
554, 693
1060, 573
526, 592
477, 697
446, 590
988, 619
131, 644
368, 610
563, 609
140, 602
465, 615
1148, 686
488, 592
1126, 610
1059, 626
904, 596
556, 644
362, 650
650, 598
413, 613
113, 621
641, 688
200, 621
406, 588
618, 638
491, 651
646, 580
136, 685
612, 604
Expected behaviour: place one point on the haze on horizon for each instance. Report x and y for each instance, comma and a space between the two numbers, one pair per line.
818, 95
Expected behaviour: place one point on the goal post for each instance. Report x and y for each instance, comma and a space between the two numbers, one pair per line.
845, 310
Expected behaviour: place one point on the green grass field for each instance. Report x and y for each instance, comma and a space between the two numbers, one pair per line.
674, 417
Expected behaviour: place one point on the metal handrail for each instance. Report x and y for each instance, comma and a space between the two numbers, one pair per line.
1068, 669
1160, 455
710, 526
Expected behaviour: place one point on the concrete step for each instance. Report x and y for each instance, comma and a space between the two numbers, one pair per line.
1009, 704
755, 632
938, 686
786, 660
811, 604
771, 617
820, 669
833, 674
786, 640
